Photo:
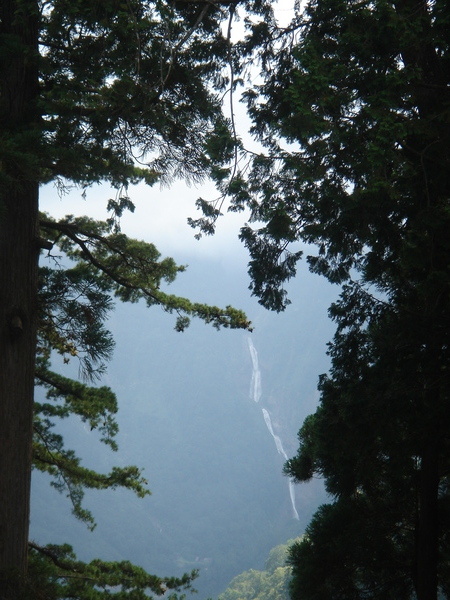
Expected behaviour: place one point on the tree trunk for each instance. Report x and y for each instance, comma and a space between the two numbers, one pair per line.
428, 524
18, 276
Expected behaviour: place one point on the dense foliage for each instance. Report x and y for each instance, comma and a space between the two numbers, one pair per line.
116, 92
270, 584
353, 110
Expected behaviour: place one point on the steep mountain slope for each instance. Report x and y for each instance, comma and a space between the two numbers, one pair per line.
188, 415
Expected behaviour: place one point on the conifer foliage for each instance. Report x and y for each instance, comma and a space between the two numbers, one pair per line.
90, 91
353, 112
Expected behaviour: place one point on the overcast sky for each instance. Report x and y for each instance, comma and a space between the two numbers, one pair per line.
161, 214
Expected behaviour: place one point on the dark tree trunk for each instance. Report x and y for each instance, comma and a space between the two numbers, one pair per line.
18, 283
428, 524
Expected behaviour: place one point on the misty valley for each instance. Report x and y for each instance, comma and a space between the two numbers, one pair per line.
212, 417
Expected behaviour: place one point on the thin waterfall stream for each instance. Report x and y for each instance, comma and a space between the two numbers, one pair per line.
255, 395
255, 384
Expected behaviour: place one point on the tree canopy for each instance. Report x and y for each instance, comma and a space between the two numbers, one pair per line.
352, 111
90, 92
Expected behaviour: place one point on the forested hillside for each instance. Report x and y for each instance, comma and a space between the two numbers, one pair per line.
272, 583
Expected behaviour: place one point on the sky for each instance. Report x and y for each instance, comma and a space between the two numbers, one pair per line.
160, 217
161, 214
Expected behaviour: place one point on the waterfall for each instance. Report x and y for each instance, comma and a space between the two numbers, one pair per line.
278, 443
255, 395
281, 451
292, 495
255, 384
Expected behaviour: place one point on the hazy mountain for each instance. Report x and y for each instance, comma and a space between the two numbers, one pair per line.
188, 415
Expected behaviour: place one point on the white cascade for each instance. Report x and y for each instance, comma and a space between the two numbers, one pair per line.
281, 451
278, 443
255, 384
255, 395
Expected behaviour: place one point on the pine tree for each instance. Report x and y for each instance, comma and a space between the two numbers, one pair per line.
115, 92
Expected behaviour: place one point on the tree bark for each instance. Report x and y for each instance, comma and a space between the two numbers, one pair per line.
18, 276
428, 524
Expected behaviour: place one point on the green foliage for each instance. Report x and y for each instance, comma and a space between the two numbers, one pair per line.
50, 456
74, 303
353, 111
115, 92
270, 584
56, 573
73, 306
342, 536
370, 439
126, 84
128, 268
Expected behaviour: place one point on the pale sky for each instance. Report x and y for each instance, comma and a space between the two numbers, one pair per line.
161, 214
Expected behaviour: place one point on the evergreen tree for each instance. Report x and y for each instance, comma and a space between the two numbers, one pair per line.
103, 91
353, 109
